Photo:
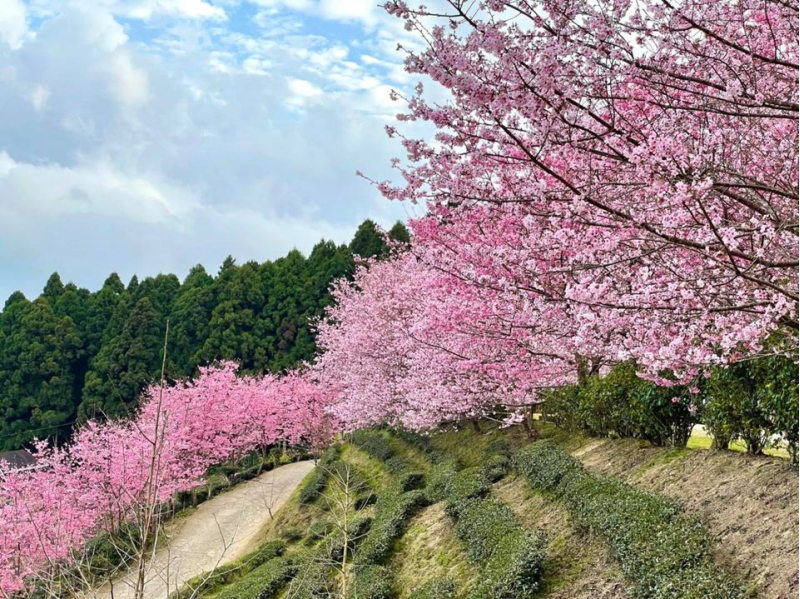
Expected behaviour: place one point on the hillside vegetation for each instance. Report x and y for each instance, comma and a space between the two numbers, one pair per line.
480, 514
72, 354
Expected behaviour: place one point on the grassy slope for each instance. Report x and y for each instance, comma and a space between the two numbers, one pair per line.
749, 502
751, 506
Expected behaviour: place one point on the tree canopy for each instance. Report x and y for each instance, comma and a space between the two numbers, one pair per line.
71, 354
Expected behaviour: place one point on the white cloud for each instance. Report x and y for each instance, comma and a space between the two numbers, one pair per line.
128, 83
365, 11
151, 147
13, 22
304, 88
49, 192
150, 9
39, 97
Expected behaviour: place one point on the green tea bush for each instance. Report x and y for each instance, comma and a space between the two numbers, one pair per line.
514, 570
316, 481
439, 479
371, 582
465, 486
496, 467
664, 552
265, 582
393, 509
311, 580
510, 557
318, 530
227, 574
374, 443
410, 481
544, 464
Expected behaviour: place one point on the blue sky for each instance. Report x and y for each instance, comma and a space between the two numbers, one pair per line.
145, 136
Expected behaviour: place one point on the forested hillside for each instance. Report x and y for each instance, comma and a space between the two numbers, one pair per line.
73, 354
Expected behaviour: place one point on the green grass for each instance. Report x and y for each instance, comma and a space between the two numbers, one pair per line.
702, 440
469, 445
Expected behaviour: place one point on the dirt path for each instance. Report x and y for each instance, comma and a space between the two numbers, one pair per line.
218, 532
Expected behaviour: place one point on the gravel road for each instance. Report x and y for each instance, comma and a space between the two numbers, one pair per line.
217, 532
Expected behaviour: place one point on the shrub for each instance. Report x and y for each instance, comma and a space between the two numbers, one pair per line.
318, 530
495, 467
665, 553
754, 401
511, 557
734, 410
515, 568
544, 464
466, 485
392, 511
396, 464
225, 575
560, 407
311, 580
292, 535
365, 498
483, 524
623, 405
374, 443
265, 582
439, 479
371, 582
266, 552
438, 588
316, 481
778, 392
409, 481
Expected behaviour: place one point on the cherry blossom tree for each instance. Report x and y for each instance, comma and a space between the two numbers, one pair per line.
633, 162
120, 472
410, 345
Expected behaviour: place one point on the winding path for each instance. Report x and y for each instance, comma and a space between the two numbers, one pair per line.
218, 532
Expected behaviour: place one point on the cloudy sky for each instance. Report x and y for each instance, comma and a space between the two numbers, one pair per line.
145, 136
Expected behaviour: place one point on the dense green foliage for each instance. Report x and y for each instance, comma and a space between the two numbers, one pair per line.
315, 483
393, 509
624, 405
72, 354
239, 571
395, 504
265, 582
510, 557
664, 553
751, 401
372, 582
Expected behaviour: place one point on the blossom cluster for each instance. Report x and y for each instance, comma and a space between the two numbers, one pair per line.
610, 180
112, 470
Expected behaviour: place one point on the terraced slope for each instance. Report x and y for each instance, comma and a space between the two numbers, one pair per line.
439, 510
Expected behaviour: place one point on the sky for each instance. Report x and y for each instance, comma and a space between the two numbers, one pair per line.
146, 136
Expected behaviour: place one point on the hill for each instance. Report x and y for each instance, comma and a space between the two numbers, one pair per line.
486, 514
72, 354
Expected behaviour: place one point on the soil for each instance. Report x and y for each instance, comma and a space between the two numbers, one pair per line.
749, 502
576, 566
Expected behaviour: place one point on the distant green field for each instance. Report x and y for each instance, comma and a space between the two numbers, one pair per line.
700, 439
